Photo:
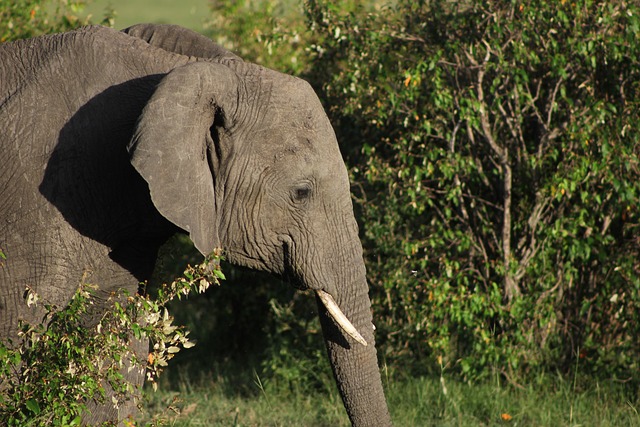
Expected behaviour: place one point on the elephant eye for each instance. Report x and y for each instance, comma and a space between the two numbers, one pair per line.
301, 193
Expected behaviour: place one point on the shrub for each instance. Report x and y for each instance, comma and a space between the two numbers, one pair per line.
269, 32
494, 149
28, 18
53, 369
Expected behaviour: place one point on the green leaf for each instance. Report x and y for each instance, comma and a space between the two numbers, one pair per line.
33, 406
219, 274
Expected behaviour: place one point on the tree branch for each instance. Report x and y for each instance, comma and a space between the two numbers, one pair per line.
510, 284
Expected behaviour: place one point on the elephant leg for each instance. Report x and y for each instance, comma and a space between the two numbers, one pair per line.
108, 411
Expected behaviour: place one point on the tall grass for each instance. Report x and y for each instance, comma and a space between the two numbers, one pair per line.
216, 400
548, 402
243, 398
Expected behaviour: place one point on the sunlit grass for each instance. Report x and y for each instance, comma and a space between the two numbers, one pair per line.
547, 402
254, 401
211, 401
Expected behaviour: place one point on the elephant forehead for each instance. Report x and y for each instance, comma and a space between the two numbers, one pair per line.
306, 150
304, 138
301, 159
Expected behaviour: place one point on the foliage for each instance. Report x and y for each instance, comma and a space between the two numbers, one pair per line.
28, 18
53, 369
272, 33
494, 149
269, 32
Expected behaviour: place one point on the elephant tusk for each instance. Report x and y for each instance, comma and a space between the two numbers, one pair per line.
339, 317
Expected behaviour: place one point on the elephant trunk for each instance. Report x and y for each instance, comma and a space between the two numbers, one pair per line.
355, 366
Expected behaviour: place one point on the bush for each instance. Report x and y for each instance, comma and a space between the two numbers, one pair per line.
28, 18
53, 369
269, 32
494, 152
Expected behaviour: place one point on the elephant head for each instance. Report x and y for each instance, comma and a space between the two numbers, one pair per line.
244, 158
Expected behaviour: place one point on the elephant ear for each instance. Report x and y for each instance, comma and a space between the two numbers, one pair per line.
173, 149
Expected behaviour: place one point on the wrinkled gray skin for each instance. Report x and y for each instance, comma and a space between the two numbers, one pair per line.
110, 142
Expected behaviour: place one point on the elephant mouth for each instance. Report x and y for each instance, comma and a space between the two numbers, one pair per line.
338, 316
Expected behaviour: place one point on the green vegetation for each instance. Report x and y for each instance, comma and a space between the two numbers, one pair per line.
27, 18
188, 13
52, 370
547, 402
493, 151
268, 32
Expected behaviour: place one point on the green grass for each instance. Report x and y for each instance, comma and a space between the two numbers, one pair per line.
217, 401
188, 13
550, 401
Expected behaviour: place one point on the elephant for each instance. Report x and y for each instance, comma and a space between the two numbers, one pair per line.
113, 141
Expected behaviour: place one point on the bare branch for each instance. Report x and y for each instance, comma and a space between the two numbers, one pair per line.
537, 214
484, 117
476, 239
551, 103
510, 285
